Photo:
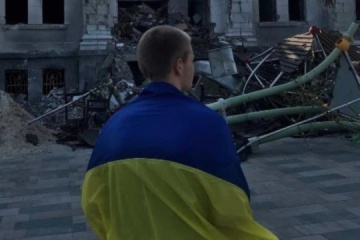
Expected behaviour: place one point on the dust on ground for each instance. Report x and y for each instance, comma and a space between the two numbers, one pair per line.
14, 128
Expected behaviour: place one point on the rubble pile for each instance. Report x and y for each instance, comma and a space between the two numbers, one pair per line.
134, 21
120, 68
16, 137
48, 103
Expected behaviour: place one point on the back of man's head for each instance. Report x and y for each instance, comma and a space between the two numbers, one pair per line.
158, 49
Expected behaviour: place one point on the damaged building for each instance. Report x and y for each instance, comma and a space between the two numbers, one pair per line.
52, 43
265, 22
63, 43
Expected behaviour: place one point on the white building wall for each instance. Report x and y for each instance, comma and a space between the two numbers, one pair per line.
218, 15
282, 8
35, 15
345, 14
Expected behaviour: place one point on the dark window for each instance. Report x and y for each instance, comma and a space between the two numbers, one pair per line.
296, 10
16, 81
53, 11
16, 11
53, 78
267, 11
357, 9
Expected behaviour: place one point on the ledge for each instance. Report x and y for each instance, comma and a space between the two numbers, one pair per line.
36, 27
283, 24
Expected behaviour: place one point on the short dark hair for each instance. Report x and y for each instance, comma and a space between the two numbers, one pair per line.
158, 48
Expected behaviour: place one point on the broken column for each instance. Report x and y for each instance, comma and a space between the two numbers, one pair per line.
95, 44
97, 25
241, 23
176, 6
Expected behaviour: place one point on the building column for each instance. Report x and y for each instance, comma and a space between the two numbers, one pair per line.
237, 21
97, 19
176, 6
218, 15
2, 22
282, 8
113, 12
68, 5
35, 12
2, 12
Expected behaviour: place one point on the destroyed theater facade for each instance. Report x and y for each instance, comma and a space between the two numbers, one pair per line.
52, 43
264, 22
56, 43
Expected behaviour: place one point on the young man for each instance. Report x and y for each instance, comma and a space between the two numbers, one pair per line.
165, 166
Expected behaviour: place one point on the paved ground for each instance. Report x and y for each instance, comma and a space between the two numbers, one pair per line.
302, 190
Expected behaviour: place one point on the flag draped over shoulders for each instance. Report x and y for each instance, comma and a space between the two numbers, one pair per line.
165, 167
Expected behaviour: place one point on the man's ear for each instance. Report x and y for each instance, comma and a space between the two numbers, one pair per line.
178, 66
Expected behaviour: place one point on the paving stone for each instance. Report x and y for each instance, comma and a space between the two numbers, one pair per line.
283, 161
334, 197
3, 206
342, 188
287, 233
338, 182
44, 223
299, 169
66, 236
272, 221
318, 172
327, 227
11, 234
301, 210
55, 230
45, 208
9, 212
70, 189
325, 216
352, 234
85, 236
263, 205
321, 178
269, 187
11, 199
313, 237
57, 213
346, 158
55, 200
52, 174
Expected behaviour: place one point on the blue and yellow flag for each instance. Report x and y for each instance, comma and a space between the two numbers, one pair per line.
165, 168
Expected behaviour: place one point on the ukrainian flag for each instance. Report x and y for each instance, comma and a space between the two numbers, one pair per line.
137, 187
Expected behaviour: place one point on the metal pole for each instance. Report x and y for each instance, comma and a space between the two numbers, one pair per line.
297, 124
353, 70
63, 106
321, 46
254, 71
277, 79
262, 54
256, 76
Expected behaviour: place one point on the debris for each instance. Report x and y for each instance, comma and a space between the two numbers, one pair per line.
181, 26
134, 21
15, 135
32, 138
120, 45
197, 18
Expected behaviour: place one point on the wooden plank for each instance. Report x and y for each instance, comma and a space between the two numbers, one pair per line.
300, 44
295, 61
287, 69
291, 57
290, 64
289, 51
302, 40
